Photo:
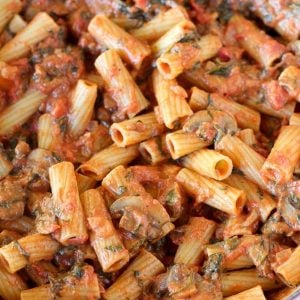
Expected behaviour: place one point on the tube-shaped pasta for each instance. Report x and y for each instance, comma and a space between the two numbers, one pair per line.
107, 33
197, 233
286, 294
155, 150
21, 225
240, 262
239, 281
120, 84
295, 119
105, 240
177, 143
281, 162
247, 136
45, 133
289, 79
175, 34
135, 130
67, 204
37, 30
8, 8
82, 105
160, 24
39, 272
84, 183
243, 157
257, 198
245, 116
137, 275
171, 100
170, 64
209, 163
5, 165
95, 78
209, 46
11, 285
85, 286
250, 294
102, 162
266, 108
16, 24
289, 271
18, 113
258, 44
29, 249
212, 192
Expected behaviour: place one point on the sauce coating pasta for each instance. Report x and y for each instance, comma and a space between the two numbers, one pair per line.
149, 149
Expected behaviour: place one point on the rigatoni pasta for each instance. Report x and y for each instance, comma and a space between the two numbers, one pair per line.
120, 84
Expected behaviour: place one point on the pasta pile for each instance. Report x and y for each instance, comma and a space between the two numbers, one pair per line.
149, 149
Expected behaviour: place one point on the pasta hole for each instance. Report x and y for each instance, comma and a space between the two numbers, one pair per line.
117, 136
221, 167
165, 67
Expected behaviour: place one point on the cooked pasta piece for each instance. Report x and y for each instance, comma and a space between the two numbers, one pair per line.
245, 116
184, 56
41, 272
112, 36
16, 24
22, 225
253, 293
239, 281
105, 240
18, 113
197, 233
258, 44
120, 84
82, 105
67, 204
37, 30
175, 34
295, 119
289, 79
84, 183
289, 271
247, 136
46, 132
209, 163
28, 249
160, 24
135, 130
264, 107
155, 150
171, 100
8, 8
11, 285
178, 147
102, 162
257, 199
281, 162
212, 192
136, 277
286, 294
81, 283
243, 157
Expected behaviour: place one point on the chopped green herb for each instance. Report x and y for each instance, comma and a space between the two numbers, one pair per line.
260, 193
294, 200
114, 248
136, 273
171, 197
223, 71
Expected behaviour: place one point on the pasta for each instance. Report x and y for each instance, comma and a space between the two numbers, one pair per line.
149, 150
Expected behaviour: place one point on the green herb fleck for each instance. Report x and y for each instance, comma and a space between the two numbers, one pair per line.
171, 197
223, 71
114, 248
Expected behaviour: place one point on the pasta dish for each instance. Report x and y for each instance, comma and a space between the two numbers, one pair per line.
150, 149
